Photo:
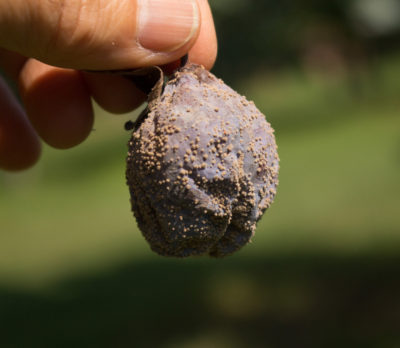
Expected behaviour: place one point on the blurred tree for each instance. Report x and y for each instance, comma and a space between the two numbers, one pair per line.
259, 35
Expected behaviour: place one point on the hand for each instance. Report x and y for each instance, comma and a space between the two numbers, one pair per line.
44, 45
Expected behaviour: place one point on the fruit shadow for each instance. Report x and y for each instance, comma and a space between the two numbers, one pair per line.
280, 301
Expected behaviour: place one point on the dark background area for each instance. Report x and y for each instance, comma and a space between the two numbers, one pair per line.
268, 35
265, 302
324, 267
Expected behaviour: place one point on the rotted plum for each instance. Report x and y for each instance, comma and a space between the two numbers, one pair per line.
202, 166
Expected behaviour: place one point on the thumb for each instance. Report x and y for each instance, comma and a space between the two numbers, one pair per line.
100, 34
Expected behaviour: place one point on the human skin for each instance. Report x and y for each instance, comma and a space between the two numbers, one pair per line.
46, 45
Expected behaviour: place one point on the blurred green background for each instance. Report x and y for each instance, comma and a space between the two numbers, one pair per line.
324, 267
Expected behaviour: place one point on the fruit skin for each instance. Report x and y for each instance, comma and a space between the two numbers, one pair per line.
202, 167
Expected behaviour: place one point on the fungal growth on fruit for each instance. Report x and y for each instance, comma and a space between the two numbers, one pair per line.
202, 166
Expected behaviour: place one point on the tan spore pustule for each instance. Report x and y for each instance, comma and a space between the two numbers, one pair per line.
202, 167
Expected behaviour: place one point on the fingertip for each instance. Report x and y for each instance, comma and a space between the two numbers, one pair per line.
204, 51
57, 102
20, 147
113, 93
20, 150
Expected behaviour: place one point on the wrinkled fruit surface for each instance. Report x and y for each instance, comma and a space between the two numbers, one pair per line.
202, 167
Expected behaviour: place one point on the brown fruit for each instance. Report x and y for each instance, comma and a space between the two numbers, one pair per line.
202, 167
